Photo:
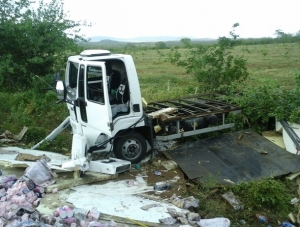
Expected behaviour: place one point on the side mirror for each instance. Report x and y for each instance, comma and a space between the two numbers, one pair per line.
56, 77
60, 90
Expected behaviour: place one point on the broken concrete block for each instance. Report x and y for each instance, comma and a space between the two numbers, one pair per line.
214, 222
168, 221
193, 216
169, 164
176, 201
183, 220
233, 201
175, 214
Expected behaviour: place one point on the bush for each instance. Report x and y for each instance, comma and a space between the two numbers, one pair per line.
268, 99
213, 65
34, 135
268, 194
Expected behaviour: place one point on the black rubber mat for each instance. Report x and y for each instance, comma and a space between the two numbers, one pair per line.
234, 157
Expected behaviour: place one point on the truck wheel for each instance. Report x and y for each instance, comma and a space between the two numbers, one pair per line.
131, 147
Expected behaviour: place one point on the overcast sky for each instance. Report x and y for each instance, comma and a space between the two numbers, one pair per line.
188, 18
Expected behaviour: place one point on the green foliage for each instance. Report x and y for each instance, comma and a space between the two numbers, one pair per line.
213, 65
268, 194
34, 42
34, 135
268, 99
186, 42
160, 45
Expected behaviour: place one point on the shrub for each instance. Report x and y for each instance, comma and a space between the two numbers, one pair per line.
268, 193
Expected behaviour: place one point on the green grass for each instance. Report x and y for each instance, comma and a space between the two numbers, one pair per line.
279, 62
273, 61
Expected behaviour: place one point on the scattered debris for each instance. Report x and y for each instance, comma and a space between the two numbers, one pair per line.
240, 136
164, 145
228, 180
233, 201
137, 166
132, 183
169, 164
214, 222
8, 137
10, 157
168, 221
294, 201
161, 186
175, 214
292, 217
157, 173
30, 157
146, 207
184, 203
186, 218
40, 173
293, 175
262, 219
286, 224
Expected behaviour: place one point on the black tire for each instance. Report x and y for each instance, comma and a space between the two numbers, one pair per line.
131, 147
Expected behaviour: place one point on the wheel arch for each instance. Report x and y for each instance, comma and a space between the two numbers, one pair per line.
145, 131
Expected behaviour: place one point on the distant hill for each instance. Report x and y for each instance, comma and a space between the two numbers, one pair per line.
144, 39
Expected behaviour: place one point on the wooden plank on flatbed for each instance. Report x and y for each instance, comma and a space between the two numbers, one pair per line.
164, 111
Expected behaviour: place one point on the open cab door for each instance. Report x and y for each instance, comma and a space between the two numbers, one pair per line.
92, 106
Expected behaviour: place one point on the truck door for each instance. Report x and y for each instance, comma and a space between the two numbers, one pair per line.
93, 100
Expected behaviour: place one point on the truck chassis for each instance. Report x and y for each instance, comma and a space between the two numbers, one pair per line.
191, 115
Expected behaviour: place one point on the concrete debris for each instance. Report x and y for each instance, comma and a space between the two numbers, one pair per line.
30, 157
176, 214
187, 218
169, 164
233, 201
8, 137
168, 221
185, 202
214, 222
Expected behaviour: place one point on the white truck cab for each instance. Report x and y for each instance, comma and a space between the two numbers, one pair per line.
103, 97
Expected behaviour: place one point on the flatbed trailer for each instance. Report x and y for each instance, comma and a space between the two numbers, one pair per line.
191, 115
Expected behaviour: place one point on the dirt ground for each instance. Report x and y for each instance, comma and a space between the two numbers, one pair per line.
154, 172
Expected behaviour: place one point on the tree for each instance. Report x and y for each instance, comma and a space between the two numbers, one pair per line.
34, 42
186, 42
284, 37
160, 45
213, 65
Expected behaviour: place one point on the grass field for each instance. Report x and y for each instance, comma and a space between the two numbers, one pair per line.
274, 61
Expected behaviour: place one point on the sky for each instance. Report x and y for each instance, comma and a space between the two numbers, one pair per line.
188, 18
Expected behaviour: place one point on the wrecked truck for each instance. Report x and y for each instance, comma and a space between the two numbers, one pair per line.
107, 113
